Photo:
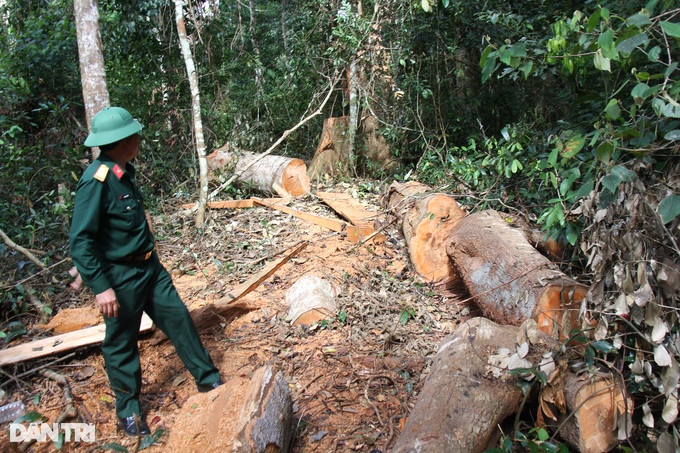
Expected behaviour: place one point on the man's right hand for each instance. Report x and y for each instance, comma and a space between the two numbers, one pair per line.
108, 303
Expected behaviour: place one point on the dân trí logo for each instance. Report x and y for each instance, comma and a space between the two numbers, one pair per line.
41, 432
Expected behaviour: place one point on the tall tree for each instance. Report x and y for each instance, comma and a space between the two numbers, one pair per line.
195, 111
92, 69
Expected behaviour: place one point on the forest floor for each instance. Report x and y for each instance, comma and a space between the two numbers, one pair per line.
353, 378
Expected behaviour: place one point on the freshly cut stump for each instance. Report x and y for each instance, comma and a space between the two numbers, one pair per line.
243, 415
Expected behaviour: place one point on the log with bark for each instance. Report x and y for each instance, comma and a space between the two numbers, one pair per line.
509, 279
590, 413
310, 299
461, 403
271, 174
472, 387
426, 220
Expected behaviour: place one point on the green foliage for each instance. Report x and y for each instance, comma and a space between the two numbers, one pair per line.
536, 440
406, 314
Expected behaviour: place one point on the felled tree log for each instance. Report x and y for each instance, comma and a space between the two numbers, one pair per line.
243, 415
596, 408
426, 221
310, 299
509, 279
537, 238
461, 403
332, 153
269, 175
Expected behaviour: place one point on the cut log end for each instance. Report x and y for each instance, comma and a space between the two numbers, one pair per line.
557, 310
597, 407
427, 242
295, 179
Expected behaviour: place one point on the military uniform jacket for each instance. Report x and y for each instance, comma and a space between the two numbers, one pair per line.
109, 222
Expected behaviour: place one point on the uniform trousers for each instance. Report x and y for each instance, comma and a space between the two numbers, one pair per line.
147, 287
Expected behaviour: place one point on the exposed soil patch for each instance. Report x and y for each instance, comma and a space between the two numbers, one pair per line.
352, 377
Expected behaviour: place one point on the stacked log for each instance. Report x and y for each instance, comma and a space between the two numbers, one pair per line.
461, 403
512, 284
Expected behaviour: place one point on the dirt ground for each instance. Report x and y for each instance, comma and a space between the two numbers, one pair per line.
353, 377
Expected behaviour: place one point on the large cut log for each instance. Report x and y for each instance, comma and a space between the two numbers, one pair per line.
473, 386
509, 279
596, 409
426, 220
270, 174
244, 415
461, 403
332, 153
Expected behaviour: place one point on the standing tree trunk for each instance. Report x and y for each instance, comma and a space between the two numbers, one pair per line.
92, 69
259, 73
353, 88
284, 35
195, 112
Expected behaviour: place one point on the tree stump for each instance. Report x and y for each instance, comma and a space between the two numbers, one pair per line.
332, 153
461, 404
376, 149
268, 175
426, 221
245, 416
509, 279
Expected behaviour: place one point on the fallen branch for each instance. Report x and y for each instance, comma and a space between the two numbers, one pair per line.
10, 243
35, 275
39, 305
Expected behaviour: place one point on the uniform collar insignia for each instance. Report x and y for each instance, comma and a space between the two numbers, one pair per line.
119, 172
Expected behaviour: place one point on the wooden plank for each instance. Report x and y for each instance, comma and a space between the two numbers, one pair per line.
232, 204
253, 282
59, 343
331, 224
353, 233
347, 207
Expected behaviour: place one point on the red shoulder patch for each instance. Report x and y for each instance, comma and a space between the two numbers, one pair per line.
119, 172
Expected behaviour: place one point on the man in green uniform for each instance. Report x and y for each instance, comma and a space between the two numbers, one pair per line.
112, 248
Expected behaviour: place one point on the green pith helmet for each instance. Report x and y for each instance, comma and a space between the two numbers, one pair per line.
110, 125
